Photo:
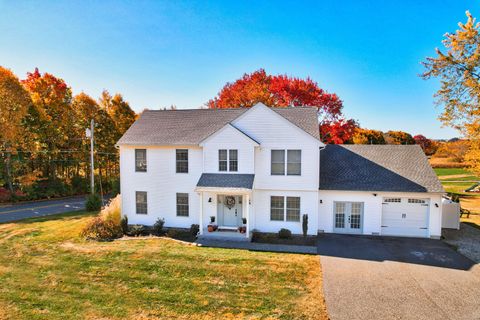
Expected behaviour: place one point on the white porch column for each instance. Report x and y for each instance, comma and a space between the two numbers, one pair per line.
201, 213
247, 213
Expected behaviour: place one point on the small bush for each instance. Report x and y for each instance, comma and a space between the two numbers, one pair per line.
124, 224
305, 224
172, 233
194, 229
108, 224
158, 226
94, 202
284, 234
99, 229
137, 230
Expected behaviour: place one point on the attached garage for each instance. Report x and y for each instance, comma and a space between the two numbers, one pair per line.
405, 217
386, 190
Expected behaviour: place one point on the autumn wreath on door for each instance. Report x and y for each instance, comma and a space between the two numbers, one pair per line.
230, 202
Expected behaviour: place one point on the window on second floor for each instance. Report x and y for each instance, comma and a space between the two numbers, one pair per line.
233, 160
293, 162
182, 160
278, 163
141, 160
222, 160
228, 160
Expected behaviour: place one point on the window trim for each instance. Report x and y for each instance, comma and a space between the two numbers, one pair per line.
220, 161
187, 205
286, 208
138, 168
137, 204
271, 162
227, 160
230, 160
177, 161
288, 162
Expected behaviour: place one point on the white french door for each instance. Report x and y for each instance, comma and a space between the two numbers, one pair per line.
348, 217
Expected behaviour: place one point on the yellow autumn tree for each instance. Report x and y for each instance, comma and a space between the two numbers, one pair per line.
14, 104
458, 70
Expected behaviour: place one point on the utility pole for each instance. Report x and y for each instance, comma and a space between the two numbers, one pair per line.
89, 134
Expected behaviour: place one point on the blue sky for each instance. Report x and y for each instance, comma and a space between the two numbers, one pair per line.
162, 53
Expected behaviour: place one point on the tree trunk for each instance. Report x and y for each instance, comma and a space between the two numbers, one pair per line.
8, 170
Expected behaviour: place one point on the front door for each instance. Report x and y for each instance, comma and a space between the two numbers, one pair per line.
232, 211
348, 217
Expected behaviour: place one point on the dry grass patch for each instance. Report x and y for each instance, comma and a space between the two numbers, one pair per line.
53, 273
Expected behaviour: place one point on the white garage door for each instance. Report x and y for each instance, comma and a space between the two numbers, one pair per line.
405, 217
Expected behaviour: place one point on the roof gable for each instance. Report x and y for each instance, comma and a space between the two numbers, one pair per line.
191, 126
229, 126
396, 168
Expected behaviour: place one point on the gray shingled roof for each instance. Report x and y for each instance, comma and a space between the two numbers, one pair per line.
397, 168
226, 180
190, 126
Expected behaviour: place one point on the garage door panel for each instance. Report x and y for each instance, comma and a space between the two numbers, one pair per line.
405, 217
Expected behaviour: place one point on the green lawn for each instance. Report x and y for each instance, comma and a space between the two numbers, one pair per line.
468, 200
450, 171
48, 272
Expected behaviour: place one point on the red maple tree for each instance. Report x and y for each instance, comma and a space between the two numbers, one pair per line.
285, 91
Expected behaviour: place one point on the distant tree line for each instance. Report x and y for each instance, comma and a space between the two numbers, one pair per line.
43, 146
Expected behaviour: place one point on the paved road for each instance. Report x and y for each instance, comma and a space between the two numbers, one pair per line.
41, 208
397, 278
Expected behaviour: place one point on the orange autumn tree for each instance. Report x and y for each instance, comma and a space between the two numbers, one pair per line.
284, 91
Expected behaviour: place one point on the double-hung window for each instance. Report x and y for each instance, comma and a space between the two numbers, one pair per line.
182, 204
222, 160
228, 160
141, 160
182, 160
233, 160
293, 162
278, 163
284, 208
141, 202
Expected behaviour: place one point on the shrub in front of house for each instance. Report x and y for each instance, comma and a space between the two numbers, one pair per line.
194, 229
158, 227
124, 224
137, 230
94, 202
284, 234
108, 224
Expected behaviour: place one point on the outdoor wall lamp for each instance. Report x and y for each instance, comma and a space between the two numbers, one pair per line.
209, 199
374, 194
436, 205
321, 201
249, 201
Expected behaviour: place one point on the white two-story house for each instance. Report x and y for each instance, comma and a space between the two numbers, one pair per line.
264, 168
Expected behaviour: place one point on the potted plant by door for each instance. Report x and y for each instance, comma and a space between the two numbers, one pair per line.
212, 226
243, 229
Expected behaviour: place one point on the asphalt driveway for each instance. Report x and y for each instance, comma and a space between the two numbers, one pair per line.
40, 208
397, 278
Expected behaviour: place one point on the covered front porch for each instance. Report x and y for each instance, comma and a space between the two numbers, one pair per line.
225, 205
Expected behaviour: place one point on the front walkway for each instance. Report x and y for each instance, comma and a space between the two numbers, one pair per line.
397, 278
247, 245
